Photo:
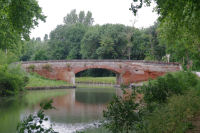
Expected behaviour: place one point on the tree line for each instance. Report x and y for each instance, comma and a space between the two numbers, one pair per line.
78, 38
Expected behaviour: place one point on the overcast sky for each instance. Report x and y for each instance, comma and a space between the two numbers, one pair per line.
103, 11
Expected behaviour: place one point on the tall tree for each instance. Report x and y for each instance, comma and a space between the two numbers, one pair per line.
71, 18
74, 18
179, 15
88, 19
81, 17
179, 27
46, 37
17, 18
90, 43
65, 41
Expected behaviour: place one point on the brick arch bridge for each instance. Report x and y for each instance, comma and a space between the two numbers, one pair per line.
127, 71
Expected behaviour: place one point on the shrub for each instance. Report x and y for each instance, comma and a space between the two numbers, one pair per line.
174, 116
12, 80
177, 83
48, 67
31, 68
122, 114
34, 122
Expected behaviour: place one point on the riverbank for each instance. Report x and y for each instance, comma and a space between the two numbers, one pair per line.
37, 82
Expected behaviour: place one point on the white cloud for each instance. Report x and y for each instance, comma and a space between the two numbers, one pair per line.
104, 11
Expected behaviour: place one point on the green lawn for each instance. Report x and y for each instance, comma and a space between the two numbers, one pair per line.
38, 81
97, 79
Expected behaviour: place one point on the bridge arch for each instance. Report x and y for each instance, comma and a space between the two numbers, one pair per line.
117, 72
97, 67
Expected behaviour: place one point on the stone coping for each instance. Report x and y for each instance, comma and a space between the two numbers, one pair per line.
136, 61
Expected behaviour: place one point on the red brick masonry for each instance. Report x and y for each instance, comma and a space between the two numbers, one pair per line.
127, 71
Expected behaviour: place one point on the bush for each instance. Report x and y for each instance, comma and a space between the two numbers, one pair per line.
122, 114
174, 116
12, 80
31, 68
47, 67
177, 83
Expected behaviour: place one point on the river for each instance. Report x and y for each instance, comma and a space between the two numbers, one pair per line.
76, 109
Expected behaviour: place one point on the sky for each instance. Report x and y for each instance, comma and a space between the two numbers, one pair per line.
103, 12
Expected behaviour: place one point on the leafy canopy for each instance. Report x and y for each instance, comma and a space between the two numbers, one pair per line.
17, 18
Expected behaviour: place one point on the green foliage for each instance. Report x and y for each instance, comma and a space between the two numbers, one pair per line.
184, 48
169, 104
178, 29
122, 114
31, 68
156, 50
12, 80
34, 122
106, 48
160, 89
35, 50
16, 23
171, 101
90, 43
65, 41
47, 67
173, 117
7, 58
73, 18
182, 14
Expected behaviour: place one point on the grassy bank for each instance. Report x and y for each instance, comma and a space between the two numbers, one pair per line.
110, 80
38, 81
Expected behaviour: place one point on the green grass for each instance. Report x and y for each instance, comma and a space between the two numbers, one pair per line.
38, 81
111, 80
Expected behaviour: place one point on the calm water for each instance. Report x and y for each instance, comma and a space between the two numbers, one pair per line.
76, 109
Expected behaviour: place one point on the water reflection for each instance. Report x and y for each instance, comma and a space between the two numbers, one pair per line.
81, 105
76, 109
93, 97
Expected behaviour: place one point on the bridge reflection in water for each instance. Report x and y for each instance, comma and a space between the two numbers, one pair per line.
81, 105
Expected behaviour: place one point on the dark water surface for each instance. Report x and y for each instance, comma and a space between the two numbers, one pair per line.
76, 109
